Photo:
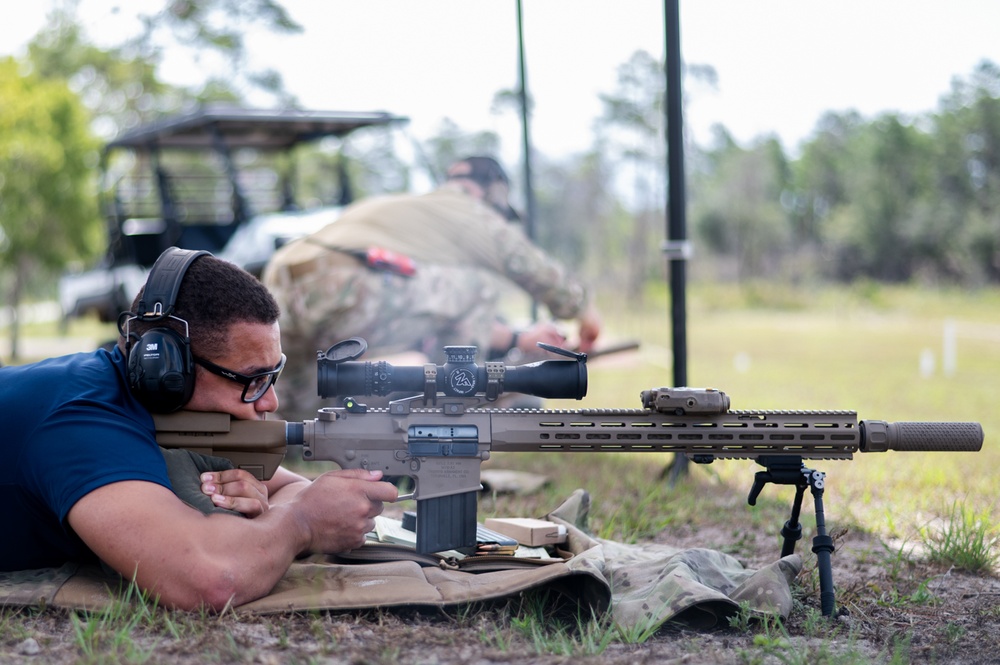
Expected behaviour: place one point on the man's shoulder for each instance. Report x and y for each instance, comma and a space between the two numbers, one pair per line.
61, 377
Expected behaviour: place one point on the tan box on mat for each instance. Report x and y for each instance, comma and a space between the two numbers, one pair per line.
528, 531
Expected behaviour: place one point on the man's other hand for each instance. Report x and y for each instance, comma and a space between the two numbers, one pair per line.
236, 489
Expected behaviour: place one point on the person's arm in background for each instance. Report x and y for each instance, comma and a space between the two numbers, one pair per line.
504, 339
545, 280
589, 329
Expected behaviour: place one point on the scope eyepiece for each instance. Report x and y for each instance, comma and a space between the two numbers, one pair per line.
340, 375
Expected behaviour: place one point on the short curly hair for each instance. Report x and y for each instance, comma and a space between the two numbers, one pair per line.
214, 295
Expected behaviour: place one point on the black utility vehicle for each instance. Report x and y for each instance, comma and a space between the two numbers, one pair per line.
220, 178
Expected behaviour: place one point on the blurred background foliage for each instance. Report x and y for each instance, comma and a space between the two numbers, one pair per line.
890, 199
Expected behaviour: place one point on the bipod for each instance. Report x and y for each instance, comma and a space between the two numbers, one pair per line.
790, 470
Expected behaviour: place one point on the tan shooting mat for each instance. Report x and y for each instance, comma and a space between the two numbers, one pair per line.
644, 585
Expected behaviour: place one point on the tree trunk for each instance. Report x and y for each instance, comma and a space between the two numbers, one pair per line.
15, 305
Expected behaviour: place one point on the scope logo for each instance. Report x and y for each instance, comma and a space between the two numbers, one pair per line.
462, 381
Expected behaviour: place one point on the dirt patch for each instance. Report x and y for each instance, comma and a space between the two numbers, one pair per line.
891, 607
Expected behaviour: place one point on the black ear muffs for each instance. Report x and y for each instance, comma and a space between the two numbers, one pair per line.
161, 370
160, 363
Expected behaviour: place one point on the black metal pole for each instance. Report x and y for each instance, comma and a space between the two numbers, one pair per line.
529, 189
676, 247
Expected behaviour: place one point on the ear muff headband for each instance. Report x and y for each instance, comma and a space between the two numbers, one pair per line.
160, 364
159, 297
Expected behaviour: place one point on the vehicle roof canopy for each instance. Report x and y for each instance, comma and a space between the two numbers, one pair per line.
263, 129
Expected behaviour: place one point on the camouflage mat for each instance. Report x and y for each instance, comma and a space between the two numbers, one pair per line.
651, 584
644, 585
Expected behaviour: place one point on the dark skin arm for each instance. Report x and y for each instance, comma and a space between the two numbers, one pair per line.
191, 560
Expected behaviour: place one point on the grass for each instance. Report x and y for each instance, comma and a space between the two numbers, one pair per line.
964, 539
577, 635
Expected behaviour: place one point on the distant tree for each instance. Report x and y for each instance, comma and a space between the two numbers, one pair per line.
874, 233
373, 164
121, 89
577, 202
738, 212
899, 198
631, 134
631, 128
218, 26
820, 175
966, 165
47, 156
120, 84
895, 198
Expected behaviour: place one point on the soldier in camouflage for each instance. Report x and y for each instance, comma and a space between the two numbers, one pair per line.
416, 273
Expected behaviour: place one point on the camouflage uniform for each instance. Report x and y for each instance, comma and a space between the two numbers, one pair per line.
461, 249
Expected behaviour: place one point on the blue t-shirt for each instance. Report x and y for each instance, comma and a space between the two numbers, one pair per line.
68, 426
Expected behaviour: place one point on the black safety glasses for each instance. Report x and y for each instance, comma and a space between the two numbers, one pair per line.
254, 386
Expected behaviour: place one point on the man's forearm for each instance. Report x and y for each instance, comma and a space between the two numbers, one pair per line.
329, 514
287, 492
188, 559
255, 558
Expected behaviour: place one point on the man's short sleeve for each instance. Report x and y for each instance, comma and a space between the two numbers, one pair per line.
81, 449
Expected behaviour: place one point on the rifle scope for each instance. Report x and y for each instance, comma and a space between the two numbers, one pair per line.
339, 374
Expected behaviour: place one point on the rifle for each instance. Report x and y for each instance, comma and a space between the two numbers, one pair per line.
440, 436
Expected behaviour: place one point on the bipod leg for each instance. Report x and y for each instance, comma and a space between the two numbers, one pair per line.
791, 532
677, 469
822, 545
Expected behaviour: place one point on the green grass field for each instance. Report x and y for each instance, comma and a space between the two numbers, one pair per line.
773, 347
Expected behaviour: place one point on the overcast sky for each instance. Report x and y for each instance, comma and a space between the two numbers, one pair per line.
781, 63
